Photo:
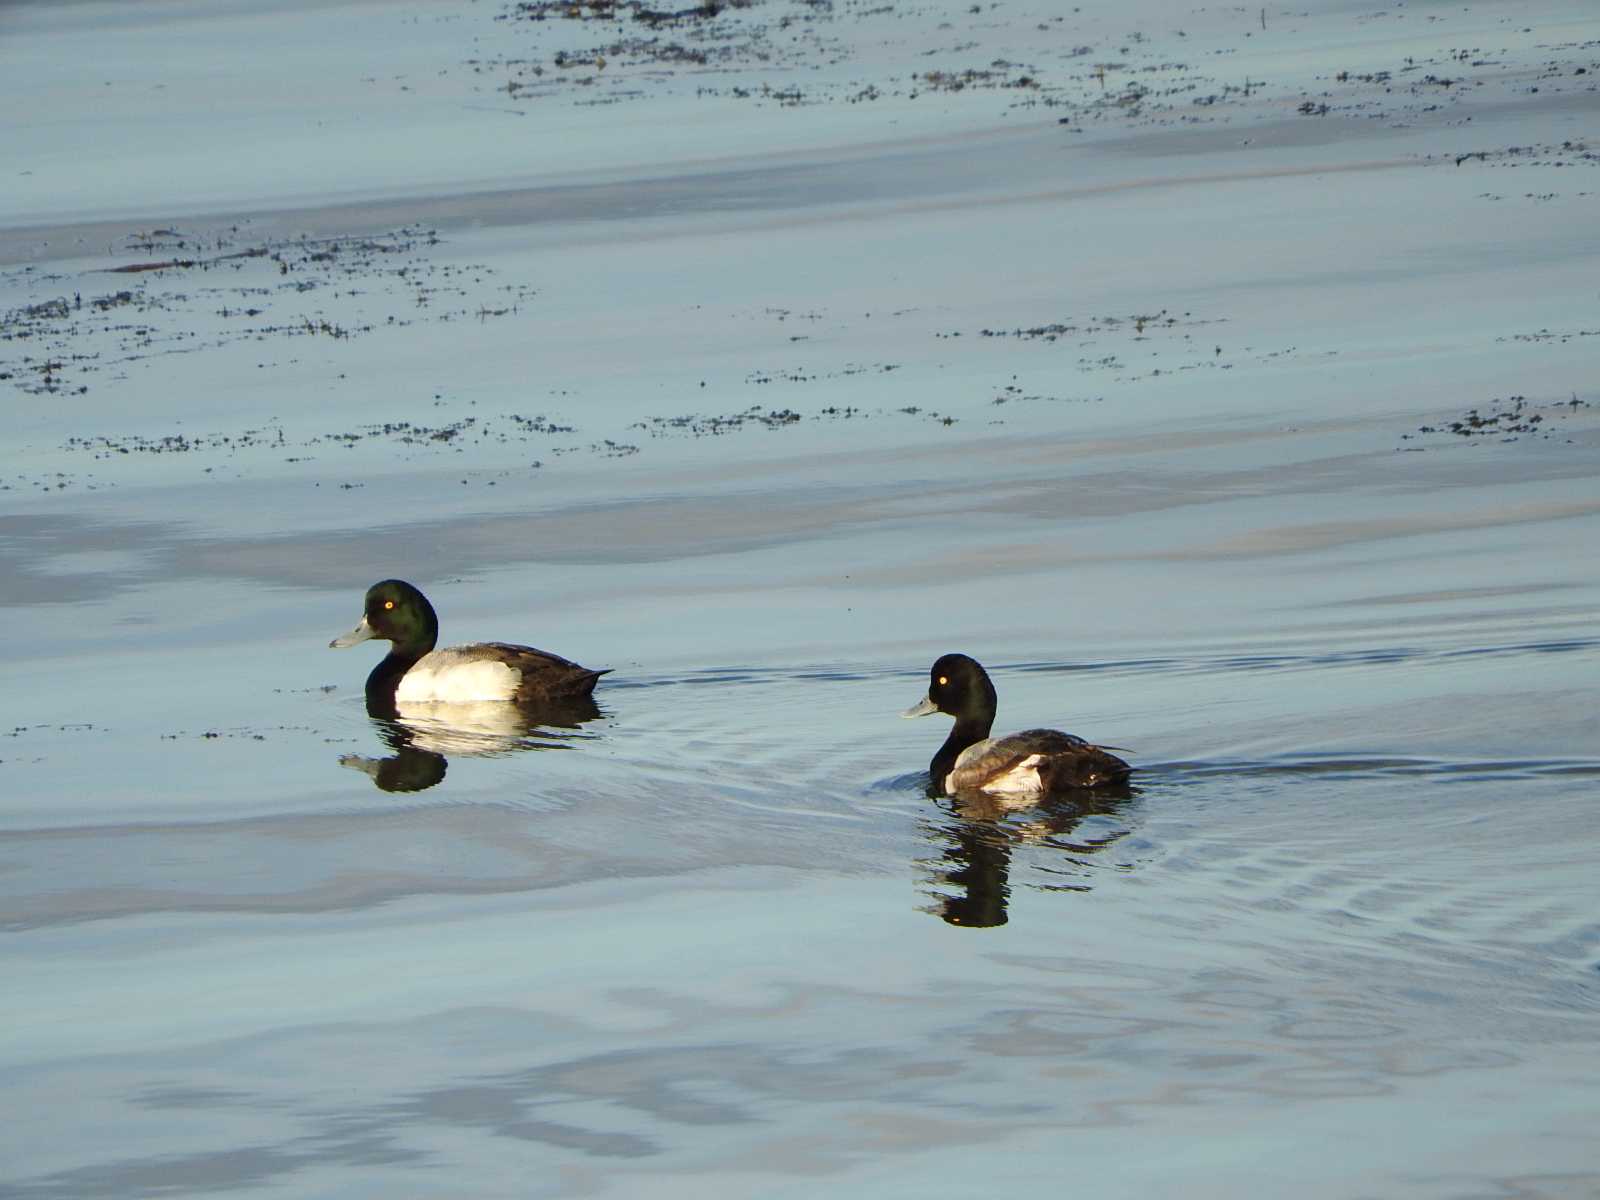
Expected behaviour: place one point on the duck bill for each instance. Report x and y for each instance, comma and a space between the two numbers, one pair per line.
923, 708
360, 633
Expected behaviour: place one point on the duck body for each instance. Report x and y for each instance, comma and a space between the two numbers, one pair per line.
1027, 765
484, 671
1035, 762
415, 672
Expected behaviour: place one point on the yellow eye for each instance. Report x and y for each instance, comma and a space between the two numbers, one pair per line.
943, 681
388, 603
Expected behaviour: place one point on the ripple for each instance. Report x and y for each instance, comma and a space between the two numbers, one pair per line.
1358, 766
1224, 663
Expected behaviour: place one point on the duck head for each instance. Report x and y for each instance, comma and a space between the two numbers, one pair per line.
395, 612
959, 687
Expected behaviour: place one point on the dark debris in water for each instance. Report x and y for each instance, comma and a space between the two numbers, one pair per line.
1140, 324
800, 375
699, 425
618, 10
505, 429
1503, 419
1133, 346
1570, 153
790, 54
102, 446
249, 735
695, 425
458, 436
631, 50
214, 295
1000, 75
30, 731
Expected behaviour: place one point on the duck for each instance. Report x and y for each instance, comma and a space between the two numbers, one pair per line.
1026, 765
415, 673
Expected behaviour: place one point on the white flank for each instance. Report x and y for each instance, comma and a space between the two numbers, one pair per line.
458, 682
1021, 780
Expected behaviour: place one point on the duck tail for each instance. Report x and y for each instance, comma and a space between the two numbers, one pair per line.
1093, 770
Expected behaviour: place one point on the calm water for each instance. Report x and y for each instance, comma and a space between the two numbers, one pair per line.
1340, 935
1257, 439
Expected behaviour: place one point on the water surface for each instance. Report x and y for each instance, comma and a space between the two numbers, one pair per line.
1205, 421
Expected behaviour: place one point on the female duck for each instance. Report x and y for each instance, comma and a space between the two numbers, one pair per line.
415, 672
1035, 762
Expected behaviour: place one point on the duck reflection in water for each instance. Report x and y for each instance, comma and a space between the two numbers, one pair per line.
982, 782
424, 734
482, 699
975, 835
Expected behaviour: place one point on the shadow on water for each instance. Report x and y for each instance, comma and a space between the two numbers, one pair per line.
975, 835
423, 736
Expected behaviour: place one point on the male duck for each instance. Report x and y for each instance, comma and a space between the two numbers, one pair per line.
1035, 762
414, 672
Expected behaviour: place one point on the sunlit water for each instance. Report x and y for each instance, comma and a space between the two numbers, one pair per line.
1144, 381
720, 932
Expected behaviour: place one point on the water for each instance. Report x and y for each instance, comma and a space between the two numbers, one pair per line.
714, 942
1152, 413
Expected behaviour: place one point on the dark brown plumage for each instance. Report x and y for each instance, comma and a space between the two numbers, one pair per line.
1036, 762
